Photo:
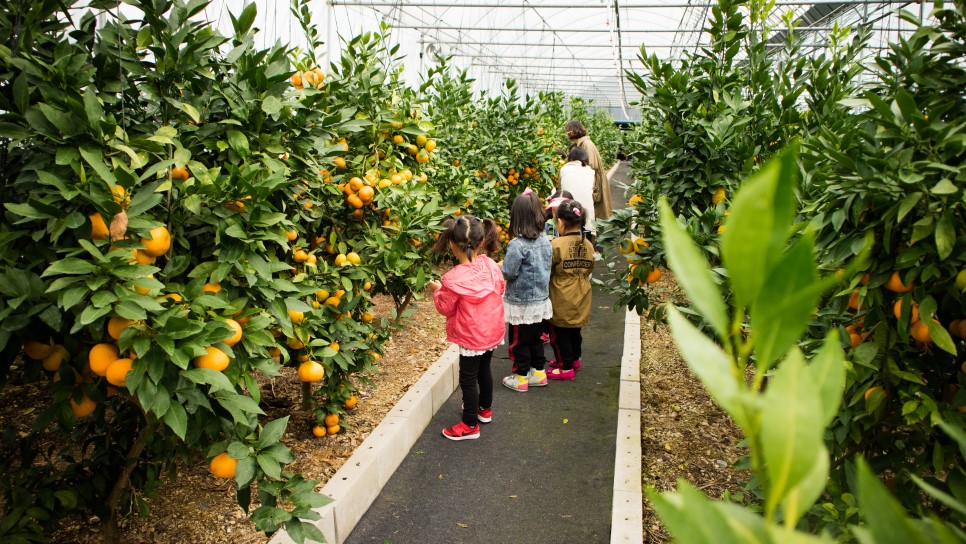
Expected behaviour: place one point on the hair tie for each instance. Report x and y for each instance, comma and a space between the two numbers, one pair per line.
527, 191
577, 212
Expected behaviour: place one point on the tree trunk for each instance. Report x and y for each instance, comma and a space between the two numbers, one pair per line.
401, 306
307, 399
112, 533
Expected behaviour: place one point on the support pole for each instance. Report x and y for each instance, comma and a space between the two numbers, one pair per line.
332, 35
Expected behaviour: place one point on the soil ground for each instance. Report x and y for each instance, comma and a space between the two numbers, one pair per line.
683, 433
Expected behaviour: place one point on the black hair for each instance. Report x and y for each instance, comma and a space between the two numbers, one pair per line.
578, 154
575, 130
470, 234
526, 217
548, 211
572, 214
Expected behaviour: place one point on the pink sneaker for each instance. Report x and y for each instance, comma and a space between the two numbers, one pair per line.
561, 374
558, 364
462, 431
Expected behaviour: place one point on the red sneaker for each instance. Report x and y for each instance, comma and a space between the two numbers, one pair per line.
484, 415
462, 431
561, 374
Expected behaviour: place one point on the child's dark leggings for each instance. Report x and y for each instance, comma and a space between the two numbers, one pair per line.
476, 381
567, 344
526, 348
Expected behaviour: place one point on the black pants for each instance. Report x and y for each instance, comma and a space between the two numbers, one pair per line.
567, 345
476, 381
526, 348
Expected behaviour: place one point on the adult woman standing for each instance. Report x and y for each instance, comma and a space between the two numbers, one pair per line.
577, 135
579, 179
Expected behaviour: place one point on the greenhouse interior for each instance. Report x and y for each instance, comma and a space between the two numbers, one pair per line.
675, 270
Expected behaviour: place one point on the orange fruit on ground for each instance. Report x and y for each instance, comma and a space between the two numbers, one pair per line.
653, 275
296, 316
84, 408
920, 332
116, 325
57, 356
895, 284
333, 429
353, 258
100, 358
37, 351
117, 371
99, 230
311, 371
214, 359
914, 312
351, 402
331, 419
223, 466
211, 288
179, 172
318, 431
159, 243
236, 336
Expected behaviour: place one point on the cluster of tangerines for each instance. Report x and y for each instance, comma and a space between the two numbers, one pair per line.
634, 250
421, 149
308, 78
917, 329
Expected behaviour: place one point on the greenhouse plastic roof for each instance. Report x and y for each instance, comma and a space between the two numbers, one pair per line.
578, 48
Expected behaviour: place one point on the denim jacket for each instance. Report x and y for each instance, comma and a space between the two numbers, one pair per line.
526, 268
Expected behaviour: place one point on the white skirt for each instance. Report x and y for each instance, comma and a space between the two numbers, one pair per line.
525, 314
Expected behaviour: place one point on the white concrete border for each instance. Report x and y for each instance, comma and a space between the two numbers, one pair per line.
356, 485
627, 518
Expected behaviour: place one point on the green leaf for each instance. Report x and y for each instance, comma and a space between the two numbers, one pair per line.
956, 434
70, 265
245, 20
269, 465
801, 497
783, 308
245, 471
678, 512
217, 380
758, 226
272, 433
177, 419
94, 158
828, 373
884, 517
944, 187
940, 336
240, 407
238, 142
945, 236
791, 427
712, 366
690, 267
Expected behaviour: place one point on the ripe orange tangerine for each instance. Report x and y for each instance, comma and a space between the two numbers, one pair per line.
116, 325
117, 371
236, 336
895, 284
351, 402
914, 312
57, 356
318, 431
99, 230
214, 359
84, 408
331, 419
333, 429
100, 358
223, 466
311, 371
159, 242
37, 351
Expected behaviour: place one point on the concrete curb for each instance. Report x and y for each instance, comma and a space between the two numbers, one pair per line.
356, 485
627, 518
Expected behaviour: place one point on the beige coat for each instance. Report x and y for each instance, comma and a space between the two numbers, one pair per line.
570, 291
602, 200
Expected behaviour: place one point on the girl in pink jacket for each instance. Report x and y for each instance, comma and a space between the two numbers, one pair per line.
470, 295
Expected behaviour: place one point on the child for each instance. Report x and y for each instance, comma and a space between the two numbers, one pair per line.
570, 292
526, 267
470, 296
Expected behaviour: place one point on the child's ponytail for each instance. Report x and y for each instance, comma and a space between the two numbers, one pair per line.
491, 237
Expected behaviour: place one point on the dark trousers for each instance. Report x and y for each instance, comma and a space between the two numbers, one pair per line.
567, 345
476, 381
526, 348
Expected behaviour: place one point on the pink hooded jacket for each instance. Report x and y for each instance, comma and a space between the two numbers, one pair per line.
471, 298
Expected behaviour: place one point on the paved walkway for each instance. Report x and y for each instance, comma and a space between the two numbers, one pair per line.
541, 472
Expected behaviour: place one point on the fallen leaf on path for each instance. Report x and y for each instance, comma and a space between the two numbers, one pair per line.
566, 421
463, 525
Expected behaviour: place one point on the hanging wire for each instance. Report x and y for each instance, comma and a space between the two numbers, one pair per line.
120, 68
